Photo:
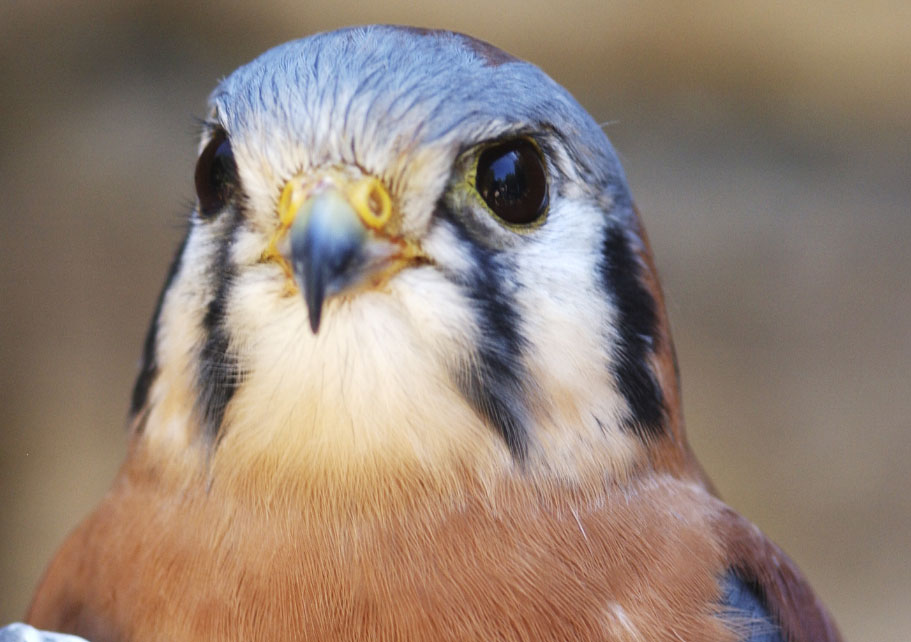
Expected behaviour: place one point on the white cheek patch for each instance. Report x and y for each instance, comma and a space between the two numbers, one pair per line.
172, 423
577, 407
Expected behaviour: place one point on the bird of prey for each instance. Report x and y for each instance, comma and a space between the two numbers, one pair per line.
411, 378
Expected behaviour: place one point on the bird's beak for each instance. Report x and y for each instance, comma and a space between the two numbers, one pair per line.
336, 234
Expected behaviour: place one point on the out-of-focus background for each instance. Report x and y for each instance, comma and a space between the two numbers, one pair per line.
769, 149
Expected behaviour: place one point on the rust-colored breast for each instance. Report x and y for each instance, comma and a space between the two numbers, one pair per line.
509, 564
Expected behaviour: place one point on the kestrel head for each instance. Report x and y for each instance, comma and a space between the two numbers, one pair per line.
413, 256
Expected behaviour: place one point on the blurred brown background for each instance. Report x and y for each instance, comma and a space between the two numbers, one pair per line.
768, 146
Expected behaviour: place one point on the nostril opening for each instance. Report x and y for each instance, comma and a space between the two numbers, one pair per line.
375, 202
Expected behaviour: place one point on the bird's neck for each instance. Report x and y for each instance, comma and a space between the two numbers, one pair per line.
370, 405
365, 426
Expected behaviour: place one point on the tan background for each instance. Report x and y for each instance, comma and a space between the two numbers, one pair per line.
768, 146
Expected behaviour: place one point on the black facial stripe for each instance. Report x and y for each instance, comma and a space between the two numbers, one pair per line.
492, 382
149, 368
637, 320
219, 374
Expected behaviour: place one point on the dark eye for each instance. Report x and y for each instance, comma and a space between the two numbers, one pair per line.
216, 175
512, 181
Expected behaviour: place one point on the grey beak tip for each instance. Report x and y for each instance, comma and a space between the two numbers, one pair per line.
314, 295
315, 315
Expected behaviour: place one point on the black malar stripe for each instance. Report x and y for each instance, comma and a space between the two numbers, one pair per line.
219, 374
493, 381
621, 274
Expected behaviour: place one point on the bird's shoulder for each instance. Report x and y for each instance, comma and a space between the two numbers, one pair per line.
762, 576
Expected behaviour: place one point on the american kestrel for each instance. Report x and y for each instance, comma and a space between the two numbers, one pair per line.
411, 378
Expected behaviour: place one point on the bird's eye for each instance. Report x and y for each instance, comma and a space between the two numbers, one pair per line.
512, 181
216, 175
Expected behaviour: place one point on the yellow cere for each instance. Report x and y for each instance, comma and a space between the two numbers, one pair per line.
371, 201
293, 196
366, 194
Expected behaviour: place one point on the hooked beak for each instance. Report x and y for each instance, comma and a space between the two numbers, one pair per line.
335, 226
